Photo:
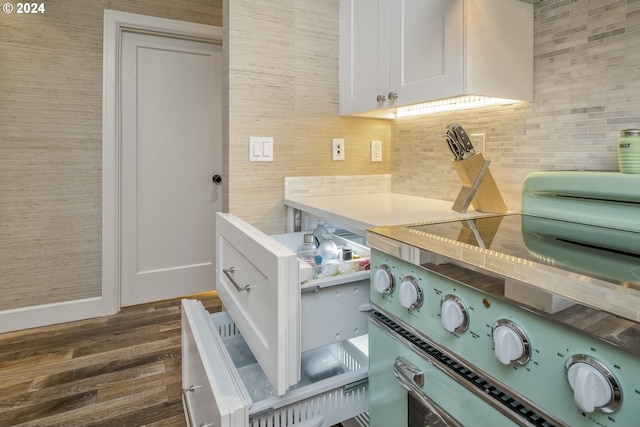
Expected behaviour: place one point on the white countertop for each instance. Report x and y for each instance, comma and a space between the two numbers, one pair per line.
357, 212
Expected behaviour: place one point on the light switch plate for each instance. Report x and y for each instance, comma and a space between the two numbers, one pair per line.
337, 149
260, 149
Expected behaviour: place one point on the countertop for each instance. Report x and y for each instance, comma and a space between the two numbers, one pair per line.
375, 207
359, 212
357, 202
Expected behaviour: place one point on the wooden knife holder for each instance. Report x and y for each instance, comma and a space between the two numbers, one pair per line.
478, 186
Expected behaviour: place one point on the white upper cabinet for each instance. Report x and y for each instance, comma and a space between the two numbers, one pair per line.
400, 52
364, 55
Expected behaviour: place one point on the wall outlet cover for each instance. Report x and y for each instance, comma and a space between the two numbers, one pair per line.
376, 151
477, 140
337, 149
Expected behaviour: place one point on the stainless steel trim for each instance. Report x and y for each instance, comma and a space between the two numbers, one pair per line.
630, 132
310, 289
229, 273
616, 400
451, 374
526, 353
414, 282
187, 406
407, 374
355, 385
465, 313
412, 380
392, 279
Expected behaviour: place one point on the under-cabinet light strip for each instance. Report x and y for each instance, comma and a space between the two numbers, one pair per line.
451, 104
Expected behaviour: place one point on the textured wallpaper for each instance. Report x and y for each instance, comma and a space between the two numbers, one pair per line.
51, 145
283, 82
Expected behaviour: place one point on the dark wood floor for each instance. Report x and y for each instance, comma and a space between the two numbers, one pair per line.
121, 370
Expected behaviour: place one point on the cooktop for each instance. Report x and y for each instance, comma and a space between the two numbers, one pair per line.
605, 253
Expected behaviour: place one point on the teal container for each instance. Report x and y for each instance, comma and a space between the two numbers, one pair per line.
629, 151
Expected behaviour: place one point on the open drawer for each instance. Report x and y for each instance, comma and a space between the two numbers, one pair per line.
224, 385
260, 283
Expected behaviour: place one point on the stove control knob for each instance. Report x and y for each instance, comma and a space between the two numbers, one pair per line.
410, 293
511, 345
453, 314
383, 280
594, 386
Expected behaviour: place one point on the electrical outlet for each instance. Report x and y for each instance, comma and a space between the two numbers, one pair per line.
477, 140
337, 149
376, 151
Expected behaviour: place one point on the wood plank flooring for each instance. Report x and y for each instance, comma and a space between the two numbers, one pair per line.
121, 370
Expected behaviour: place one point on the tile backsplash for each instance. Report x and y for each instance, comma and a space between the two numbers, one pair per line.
586, 89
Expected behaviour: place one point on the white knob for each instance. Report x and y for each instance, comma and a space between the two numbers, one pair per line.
591, 389
383, 280
410, 293
452, 315
508, 345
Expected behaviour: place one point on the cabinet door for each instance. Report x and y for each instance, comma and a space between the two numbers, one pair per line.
426, 57
364, 55
257, 281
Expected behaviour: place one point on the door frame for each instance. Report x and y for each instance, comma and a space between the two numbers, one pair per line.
115, 23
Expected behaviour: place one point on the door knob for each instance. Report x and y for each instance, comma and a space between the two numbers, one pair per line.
217, 179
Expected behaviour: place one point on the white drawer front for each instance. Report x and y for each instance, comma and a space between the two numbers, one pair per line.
257, 281
212, 394
333, 385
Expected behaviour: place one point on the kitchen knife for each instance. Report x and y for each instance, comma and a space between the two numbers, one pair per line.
455, 147
461, 142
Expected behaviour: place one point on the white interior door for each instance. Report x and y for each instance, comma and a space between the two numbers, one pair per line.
171, 148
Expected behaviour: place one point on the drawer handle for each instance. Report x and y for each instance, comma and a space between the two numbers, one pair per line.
407, 374
229, 273
187, 406
412, 379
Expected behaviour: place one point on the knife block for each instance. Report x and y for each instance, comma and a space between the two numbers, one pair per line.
478, 186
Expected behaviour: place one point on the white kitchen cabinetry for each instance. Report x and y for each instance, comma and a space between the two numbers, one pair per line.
288, 350
400, 52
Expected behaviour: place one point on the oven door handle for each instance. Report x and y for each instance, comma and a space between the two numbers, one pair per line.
412, 379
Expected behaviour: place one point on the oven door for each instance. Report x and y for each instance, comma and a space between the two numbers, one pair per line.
407, 389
